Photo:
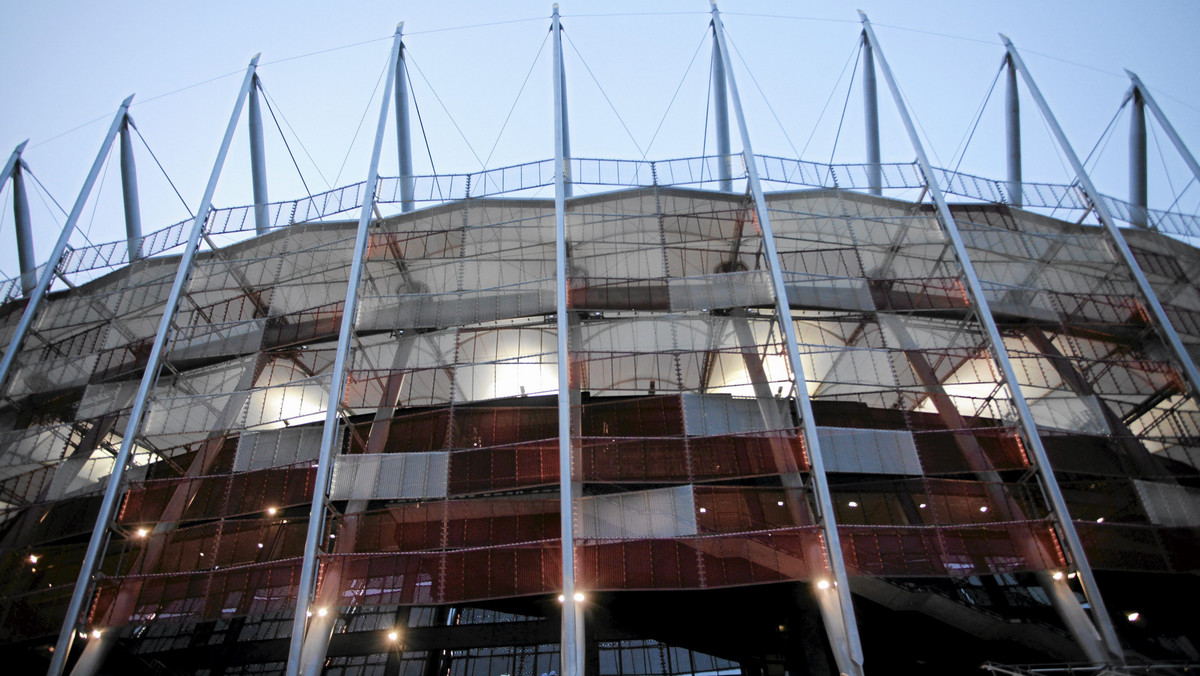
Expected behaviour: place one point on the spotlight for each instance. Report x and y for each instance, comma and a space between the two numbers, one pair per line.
393, 635
142, 532
1133, 617
823, 584
271, 511
579, 597
1058, 575
852, 503
321, 612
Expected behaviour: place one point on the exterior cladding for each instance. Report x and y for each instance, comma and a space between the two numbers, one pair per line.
693, 471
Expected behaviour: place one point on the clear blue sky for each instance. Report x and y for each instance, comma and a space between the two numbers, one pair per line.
68, 63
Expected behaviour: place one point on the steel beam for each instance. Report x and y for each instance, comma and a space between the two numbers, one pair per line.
403, 135
60, 247
316, 519
871, 120
1183, 359
844, 639
1032, 438
1180, 147
258, 164
121, 463
720, 94
129, 190
572, 616
1012, 134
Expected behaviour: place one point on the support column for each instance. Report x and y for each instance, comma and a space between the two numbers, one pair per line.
1012, 134
60, 247
258, 164
563, 140
403, 137
133, 212
1029, 430
871, 120
25, 257
843, 628
1180, 147
1162, 322
1137, 159
316, 518
99, 538
572, 645
720, 94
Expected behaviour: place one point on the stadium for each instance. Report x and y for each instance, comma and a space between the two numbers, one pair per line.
725, 414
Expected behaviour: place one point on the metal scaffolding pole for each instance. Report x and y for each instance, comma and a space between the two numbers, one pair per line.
122, 461
1180, 147
871, 121
329, 432
60, 247
983, 310
572, 619
403, 136
1012, 134
849, 653
258, 164
720, 94
1183, 359
1137, 159
129, 190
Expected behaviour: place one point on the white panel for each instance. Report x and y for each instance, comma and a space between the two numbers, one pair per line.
868, 451
1169, 504
390, 476
658, 513
276, 448
716, 414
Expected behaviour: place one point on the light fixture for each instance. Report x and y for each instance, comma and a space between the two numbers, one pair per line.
579, 597
780, 503
852, 503
561, 598
142, 532
823, 584
96, 632
922, 505
308, 613
1058, 575
321, 612
260, 545
393, 635
33, 558
83, 634
703, 510
983, 508
1100, 520
1133, 617
271, 511
1071, 576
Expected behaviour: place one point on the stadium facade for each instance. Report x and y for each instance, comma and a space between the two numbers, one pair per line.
735, 414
